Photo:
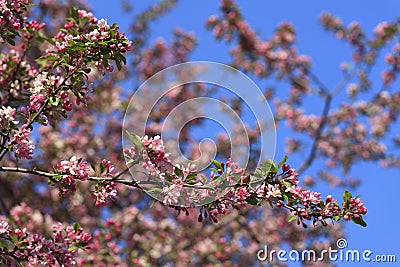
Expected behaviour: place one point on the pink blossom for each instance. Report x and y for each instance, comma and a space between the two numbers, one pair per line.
36, 102
110, 170
380, 28
20, 141
7, 115
4, 227
103, 191
74, 167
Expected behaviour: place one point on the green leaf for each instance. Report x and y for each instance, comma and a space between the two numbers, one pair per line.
191, 176
50, 58
10, 41
168, 177
118, 63
359, 221
292, 218
76, 226
216, 179
253, 201
93, 167
102, 167
336, 218
287, 184
217, 164
286, 197
191, 182
178, 172
347, 196
282, 162
153, 203
74, 13
265, 168
121, 58
214, 170
136, 141
203, 179
69, 187
73, 248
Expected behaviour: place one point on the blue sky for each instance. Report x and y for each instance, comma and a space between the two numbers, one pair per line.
379, 187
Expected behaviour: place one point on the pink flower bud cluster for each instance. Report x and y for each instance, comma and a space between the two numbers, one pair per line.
32, 249
110, 169
13, 70
160, 55
103, 191
282, 191
393, 60
11, 18
155, 159
275, 55
70, 170
354, 209
75, 34
353, 34
20, 143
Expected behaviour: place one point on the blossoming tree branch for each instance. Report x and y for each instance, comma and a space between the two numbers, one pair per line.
49, 73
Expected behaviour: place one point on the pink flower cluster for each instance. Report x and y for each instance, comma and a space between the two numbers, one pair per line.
110, 169
355, 209
13, 70
11, 18
74, 167
7, 117
70, 170
155, 160
35, 250
275, 55
385, 30
160, 55
278, 190
22, 146
365, 50
393, 60
4, 227
103, 191
97, 32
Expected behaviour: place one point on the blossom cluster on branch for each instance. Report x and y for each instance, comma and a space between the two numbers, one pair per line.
52, 90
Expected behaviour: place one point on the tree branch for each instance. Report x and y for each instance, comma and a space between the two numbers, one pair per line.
324, 119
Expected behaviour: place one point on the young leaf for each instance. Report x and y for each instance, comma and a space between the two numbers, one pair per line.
168, 177
282, 162
93, 167
191, 177
76, 226
253, 201
217, 164
136, 141
359, 221
178, 172
292, 218
153, 203
347, 196
102, 167
265, 168
73, 248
